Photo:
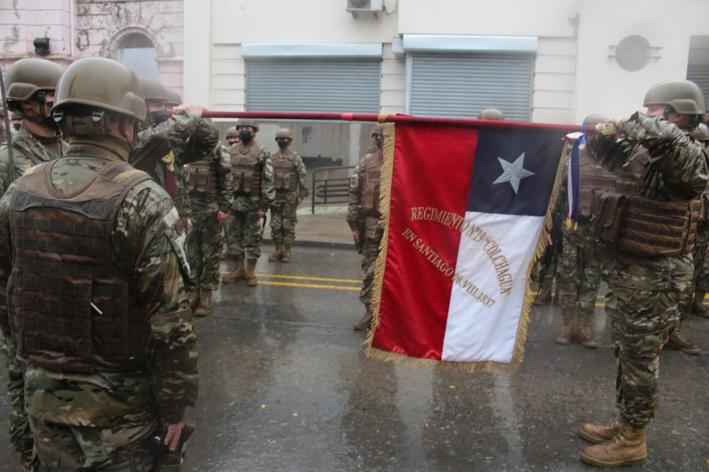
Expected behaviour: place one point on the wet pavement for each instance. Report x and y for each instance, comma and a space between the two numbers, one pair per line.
285, 386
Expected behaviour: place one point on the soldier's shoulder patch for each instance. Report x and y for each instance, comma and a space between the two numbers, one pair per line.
177, 236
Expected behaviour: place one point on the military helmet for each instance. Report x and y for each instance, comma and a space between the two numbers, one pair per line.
594, 119
174, 98
29, 76
245, 123
284, 133
101, 83
701, 133
154, 90
231, 132
378, 129
684, 96
491, 114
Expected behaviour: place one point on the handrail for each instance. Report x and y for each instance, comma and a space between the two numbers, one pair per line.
315, 181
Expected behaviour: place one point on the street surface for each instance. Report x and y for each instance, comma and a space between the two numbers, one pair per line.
284, 386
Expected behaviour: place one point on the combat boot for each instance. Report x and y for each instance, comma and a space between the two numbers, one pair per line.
251, 280
286, 252
680, 343
567, 321
205, 302
364, 323
698, 305
543, 296
626, 448
598, 433
278, 254
583, 334
235, 271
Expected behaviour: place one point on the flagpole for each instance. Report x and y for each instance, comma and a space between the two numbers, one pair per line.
386, 118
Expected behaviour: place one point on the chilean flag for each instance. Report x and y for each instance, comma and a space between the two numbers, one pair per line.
463, 222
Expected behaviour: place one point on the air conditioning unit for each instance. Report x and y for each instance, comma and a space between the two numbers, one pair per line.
363, 6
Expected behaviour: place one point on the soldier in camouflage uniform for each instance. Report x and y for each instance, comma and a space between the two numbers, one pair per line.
206, 196
579, 275
700, 282
651, 223
289, 181
171, 141
363, 218
105, 335
252, 182
232, 135
30, 94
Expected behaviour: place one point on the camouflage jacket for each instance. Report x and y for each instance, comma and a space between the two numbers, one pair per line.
263, 201
149, 238
301, 190
354, 205
28, 151
677, 169
167, 146
191, 204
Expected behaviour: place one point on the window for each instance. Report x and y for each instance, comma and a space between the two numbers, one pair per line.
138, 53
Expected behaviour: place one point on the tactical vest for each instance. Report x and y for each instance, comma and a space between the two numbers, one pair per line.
201, 177
592, 179
371, 185
71, 307
246, 169
285, 177
653, 228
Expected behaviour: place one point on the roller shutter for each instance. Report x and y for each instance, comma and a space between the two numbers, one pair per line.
698, 66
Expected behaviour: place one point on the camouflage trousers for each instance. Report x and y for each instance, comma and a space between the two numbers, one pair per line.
579, 274
646, 295
283, 220
244, 233
204, 244
700, 281
19, 428
370, 250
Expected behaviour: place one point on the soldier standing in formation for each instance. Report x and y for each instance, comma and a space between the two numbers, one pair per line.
106, 335
232, 135
579, 275
252, 182
206, 197
660, 175
289, 182
700, 281
363, 218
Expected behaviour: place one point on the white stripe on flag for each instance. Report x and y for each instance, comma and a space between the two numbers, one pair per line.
482, 321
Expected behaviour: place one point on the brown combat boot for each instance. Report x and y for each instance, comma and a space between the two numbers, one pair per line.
235, 271
626, 448
583, 334
251, 280
598, 433
680, 343
205, 302
567, 321
286, 252
698, 305
277, 255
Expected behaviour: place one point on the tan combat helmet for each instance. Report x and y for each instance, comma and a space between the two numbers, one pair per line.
105, 84
29, 76
231, 132
491, 114
700, 133
594, 119
247, 123
683, 96
284, 133
174, 99
379, 129
154, 90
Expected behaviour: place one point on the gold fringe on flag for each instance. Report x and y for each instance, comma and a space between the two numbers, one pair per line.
469, 367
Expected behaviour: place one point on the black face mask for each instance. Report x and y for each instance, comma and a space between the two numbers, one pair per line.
158, 116
49, 122
283, 143
245, 135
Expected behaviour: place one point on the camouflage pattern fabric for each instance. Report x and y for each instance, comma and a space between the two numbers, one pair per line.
204, 241
700, 281
86, 421
283, 210
579, 274
24, 145
370, 251
647, 291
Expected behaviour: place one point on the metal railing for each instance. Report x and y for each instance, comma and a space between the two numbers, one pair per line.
333, 187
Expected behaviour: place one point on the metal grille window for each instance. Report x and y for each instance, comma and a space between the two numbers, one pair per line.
698, 65
313, 84
462, 84
137, 52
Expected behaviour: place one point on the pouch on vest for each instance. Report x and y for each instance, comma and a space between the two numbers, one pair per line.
608, 215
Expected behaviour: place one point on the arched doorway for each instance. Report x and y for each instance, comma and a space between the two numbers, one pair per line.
137, 51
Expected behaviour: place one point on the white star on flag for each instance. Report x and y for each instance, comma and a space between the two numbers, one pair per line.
513, 172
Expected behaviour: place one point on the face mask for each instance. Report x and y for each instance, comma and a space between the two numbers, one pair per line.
158, 116
245, 135
48, 122
283, 143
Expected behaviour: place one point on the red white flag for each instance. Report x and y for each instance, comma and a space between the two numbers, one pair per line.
463, 212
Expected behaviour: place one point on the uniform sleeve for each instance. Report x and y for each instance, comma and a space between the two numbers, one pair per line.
150, 231
5, 174
268, 191
225, 196
192, 138
303, 190
182, 200
354, 204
